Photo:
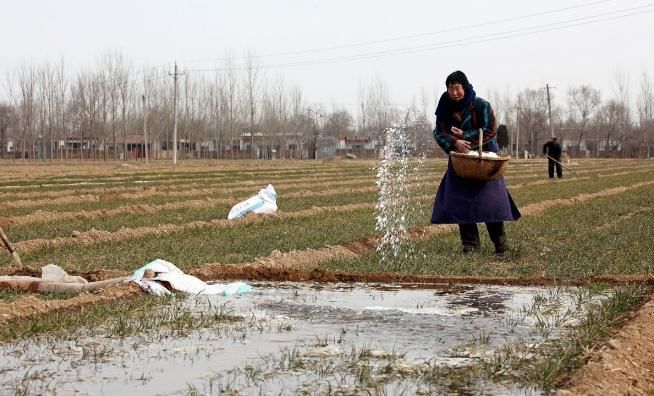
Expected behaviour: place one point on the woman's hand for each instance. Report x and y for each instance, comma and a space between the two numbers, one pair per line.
458, 133
462, 146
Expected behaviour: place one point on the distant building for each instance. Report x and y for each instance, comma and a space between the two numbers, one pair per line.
360, 143
326, 147
133, 144
359, 146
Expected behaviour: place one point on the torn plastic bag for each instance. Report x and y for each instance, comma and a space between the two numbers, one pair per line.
264, 202
178, 280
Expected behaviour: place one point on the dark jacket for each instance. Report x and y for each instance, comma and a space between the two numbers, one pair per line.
479, 115
553, 150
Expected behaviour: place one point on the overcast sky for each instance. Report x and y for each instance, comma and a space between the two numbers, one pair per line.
411, 45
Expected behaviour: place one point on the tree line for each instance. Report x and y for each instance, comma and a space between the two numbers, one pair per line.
588, 125
236, 110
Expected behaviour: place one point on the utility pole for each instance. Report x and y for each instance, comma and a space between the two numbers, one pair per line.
145, 129
175, 74
549, 110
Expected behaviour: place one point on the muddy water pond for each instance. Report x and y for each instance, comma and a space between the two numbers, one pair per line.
303, 338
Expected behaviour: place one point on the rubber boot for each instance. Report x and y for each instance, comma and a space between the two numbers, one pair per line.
469, 238
498, 236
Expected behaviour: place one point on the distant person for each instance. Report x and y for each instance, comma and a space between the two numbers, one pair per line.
552, 150
459, 116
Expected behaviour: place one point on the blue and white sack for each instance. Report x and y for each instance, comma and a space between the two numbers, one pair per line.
265, 202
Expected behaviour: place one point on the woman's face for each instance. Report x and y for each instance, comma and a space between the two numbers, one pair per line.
456, 91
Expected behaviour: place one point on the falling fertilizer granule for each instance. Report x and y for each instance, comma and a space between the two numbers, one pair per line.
395, 211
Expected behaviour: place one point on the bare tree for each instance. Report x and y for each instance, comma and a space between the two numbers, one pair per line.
47, 76
5, 122
379, 106
47, 108
646, 111
338, 122
503, 107
126, 95
191, 119
297, 121
621, 90
79, 108
185, 118
279, 106
222, 114
215, 115
363, 107
269, 123
201, 109
61, 86
376, 110
26, 107
427, 105
533, 117
148, 94
41, 109
252, 94
88, 98
111, 63
231, 99
608, 123
161, 115
312, 128
103, 83
583, 103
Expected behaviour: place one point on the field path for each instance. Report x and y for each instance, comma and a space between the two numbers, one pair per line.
624, 365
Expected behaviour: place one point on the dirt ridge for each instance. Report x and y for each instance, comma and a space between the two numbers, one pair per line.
95, 236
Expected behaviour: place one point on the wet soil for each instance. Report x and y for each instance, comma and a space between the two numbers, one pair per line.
29, 306
624, 363
395, 329
281, 270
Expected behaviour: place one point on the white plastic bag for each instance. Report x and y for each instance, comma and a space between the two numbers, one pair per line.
264, 202
54, 273
169, 273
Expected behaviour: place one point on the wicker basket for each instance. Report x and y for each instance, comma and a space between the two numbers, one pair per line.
477, 167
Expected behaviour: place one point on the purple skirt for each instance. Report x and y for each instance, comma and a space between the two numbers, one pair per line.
461, 201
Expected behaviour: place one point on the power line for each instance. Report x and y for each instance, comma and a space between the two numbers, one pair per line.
374, 42
460, 42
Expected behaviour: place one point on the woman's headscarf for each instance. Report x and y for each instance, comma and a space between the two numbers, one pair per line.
447, 107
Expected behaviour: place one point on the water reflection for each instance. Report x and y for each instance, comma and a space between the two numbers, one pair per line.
421, 322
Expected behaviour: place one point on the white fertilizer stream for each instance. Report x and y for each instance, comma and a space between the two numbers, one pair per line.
395, 210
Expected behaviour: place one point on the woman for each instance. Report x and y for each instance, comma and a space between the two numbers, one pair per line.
459, 115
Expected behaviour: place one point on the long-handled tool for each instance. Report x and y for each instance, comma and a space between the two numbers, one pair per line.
11, 249
561, 164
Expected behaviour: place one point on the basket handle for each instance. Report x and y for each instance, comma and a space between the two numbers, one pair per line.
481, 140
